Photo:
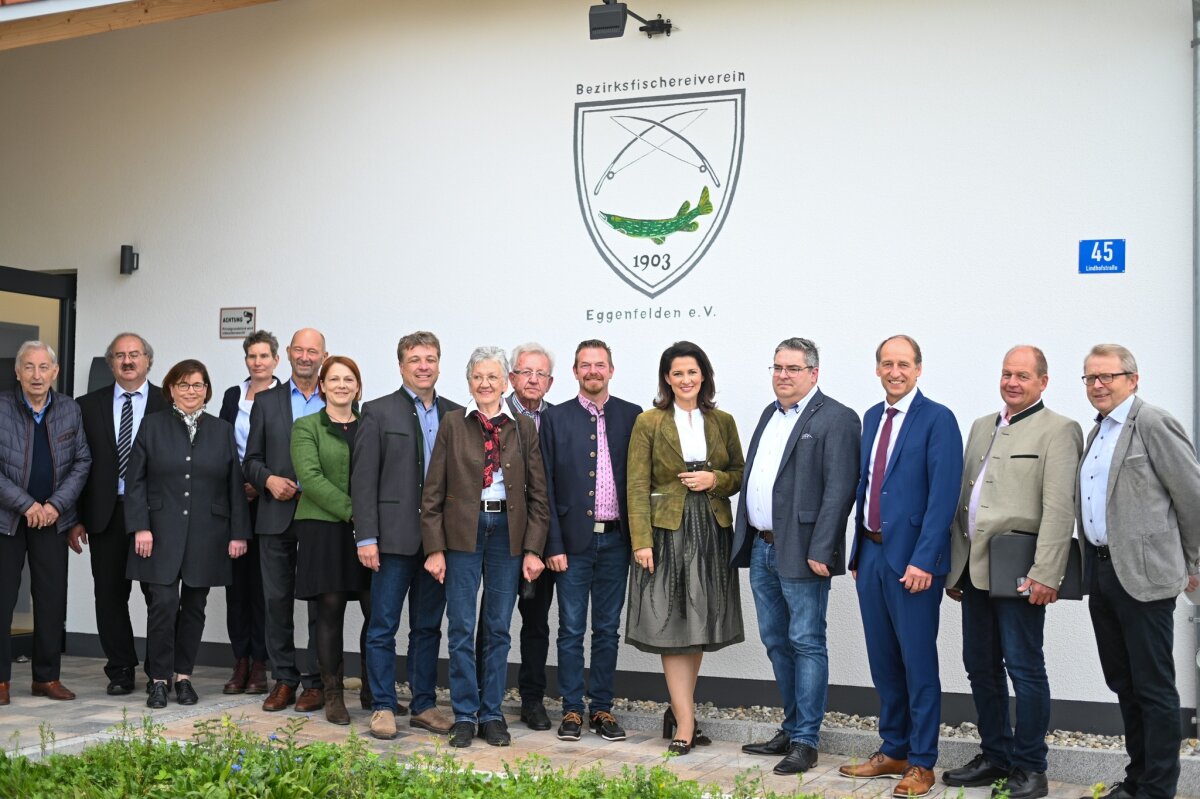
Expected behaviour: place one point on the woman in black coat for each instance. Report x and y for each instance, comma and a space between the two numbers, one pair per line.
186, 510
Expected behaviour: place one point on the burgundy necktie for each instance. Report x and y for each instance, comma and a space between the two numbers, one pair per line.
881, 459
491, 445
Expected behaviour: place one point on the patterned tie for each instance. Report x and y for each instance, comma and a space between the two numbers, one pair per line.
125, 435
491, 445
881, 459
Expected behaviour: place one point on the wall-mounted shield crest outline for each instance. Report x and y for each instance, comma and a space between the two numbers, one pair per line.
655, 178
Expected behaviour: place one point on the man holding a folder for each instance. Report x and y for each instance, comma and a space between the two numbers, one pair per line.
1018, 477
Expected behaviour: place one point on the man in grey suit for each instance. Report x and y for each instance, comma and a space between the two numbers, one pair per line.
268, 467
797, 492
1018, 475
1138, 506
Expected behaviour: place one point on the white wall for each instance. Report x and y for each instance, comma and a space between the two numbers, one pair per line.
374, 167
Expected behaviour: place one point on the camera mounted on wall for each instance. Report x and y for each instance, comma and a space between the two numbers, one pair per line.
607, 21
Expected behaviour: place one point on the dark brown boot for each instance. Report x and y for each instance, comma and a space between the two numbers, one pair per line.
256, 683
241, 673
335, 704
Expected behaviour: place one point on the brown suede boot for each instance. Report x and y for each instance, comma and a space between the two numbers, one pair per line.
335, 704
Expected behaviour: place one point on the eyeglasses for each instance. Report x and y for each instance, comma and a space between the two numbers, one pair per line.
491, 380
197, 387
528, 373
793, 371
1104, 379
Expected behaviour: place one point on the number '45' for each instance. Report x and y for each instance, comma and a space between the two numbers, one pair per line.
1104, 253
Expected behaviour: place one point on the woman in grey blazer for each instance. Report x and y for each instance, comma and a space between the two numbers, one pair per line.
186, 511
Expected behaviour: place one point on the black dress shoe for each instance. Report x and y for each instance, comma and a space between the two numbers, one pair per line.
779, 745
158, 695
120, 687
185, 694
801, 758
976, 774
535, 717
495, 732
1022, 784
1118, 791
461, 734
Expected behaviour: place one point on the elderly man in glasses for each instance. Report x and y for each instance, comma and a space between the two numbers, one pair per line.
1138, 507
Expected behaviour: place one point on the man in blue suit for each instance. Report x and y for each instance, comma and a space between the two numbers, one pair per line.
911, 461
585, 442
790, 529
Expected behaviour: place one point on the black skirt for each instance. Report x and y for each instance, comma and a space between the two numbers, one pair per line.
327, 560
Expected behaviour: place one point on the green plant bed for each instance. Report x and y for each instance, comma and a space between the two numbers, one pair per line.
223, 761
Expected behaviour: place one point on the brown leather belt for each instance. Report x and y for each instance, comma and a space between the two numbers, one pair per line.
871, 536
493, 506
766, 535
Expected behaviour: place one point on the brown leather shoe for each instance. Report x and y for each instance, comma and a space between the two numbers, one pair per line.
241, 673
280, 697
256, 683
3, 693
52, 690
917, 781
431, 719
877, 765
309, 700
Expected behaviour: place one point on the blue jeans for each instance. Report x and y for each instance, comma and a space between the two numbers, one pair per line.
398, 576
601, 573
791, 624
1002, 639
500, 573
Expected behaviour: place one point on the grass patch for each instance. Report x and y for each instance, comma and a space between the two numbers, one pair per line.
223, 761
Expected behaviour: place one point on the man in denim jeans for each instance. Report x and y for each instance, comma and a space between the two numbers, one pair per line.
798, 488
391, 457
584, 446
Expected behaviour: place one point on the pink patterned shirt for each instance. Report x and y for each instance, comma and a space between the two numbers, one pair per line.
607, 509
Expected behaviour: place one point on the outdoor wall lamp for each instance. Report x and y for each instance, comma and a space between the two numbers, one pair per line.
607, 21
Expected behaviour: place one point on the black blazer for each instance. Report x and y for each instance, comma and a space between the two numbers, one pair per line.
189, 495
269, 453
99, 497
568, 437
387, 472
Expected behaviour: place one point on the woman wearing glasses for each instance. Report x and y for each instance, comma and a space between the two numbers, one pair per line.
483, 513
186, 511
685, 462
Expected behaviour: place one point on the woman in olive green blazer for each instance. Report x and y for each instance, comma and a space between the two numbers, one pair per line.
327, 566
685, 462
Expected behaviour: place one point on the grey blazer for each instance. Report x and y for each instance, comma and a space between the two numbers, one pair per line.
269, 453
1153, 507
814, 490
387, 472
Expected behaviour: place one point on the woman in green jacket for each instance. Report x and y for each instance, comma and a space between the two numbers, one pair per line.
327, 567
685, 462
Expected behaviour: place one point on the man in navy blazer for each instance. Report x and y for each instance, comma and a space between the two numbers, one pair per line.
911, 461
790, 529
585, 442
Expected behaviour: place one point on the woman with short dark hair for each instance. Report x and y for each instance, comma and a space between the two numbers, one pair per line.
186, 512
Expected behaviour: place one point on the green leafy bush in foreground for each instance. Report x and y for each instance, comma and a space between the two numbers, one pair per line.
223, 761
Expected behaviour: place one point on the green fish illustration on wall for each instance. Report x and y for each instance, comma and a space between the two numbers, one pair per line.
657, 230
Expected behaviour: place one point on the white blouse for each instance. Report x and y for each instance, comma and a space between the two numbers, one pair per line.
691, 434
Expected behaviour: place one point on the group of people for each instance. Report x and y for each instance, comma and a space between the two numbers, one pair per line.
297, 492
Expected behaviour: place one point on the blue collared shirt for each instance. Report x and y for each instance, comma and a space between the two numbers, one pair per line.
536, 416
1093, 474
38, 415
138, 403
304, 406
428, 419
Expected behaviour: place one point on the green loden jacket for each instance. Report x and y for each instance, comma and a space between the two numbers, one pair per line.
321, 458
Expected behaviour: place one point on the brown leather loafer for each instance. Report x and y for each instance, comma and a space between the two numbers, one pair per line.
917, 781
877, 765
3, 693
309, 700
280, 697
52, 690
431, 719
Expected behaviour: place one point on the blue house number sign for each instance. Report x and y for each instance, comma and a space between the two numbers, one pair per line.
1101, 256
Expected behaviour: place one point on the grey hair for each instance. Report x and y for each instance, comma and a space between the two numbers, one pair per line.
146, 348
531, 348
1128, 362
30, 346
811, 356
482, 354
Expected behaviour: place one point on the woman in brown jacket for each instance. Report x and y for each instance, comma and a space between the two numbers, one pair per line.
685, 462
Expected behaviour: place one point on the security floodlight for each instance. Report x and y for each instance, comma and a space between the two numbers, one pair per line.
607, 21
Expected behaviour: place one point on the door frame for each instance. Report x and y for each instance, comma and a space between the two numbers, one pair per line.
62, 287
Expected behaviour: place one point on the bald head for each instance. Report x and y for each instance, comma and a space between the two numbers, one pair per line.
306, 353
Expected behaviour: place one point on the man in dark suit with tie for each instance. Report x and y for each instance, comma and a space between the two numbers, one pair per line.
112, 416
268, 467
585, 443
910, 462
790, 530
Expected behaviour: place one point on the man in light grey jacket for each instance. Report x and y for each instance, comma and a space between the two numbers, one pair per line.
1138, 506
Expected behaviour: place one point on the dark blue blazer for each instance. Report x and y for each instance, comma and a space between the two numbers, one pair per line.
568, 436
920, 487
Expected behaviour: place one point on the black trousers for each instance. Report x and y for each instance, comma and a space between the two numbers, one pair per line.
109, 551
174, 627
1137, 642
245, 611
47, 552
277, 562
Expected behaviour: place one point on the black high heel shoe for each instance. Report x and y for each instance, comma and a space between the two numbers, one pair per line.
669, 724
668, 732
678, 747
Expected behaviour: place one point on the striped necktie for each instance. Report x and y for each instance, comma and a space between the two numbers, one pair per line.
125, 435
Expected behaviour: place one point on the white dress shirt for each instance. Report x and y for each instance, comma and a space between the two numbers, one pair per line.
690, 425
1093, 474
138, 400
901, 407
767, 459
496, 490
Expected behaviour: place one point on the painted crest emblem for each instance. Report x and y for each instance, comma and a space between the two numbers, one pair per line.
655, 178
